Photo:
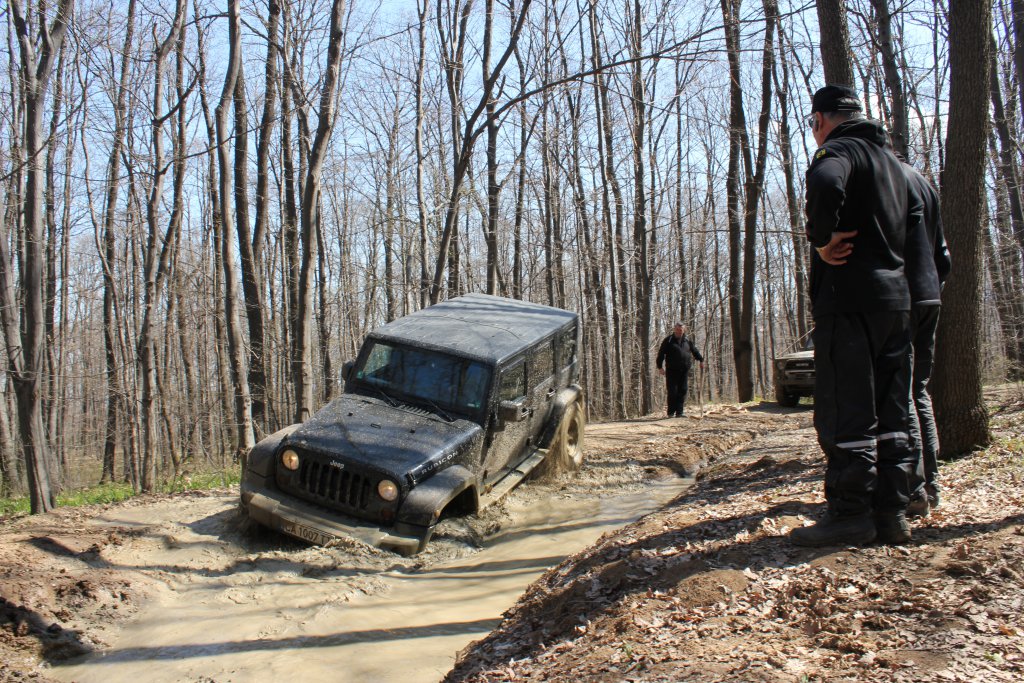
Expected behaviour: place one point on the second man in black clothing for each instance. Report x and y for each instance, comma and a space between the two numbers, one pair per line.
675, 358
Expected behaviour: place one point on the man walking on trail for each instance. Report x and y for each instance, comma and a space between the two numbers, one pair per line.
928, 264
675, 358
859, 206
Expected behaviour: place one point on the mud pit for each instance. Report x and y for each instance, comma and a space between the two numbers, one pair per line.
172, 588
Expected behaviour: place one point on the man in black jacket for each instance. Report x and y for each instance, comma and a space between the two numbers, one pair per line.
928, 264
675, 358
858, 209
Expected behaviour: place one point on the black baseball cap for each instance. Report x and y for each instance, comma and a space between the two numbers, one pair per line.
835, 98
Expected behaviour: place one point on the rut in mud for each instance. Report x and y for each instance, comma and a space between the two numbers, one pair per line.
173, 588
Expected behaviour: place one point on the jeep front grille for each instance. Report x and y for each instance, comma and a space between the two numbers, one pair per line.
334, 486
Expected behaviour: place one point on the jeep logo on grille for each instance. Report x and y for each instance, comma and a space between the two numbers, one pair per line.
336, 464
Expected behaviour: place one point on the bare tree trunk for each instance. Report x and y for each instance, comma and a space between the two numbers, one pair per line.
1009, 306
236, 352
310, 215
156, 257
255, 307
900, 130
108, 254
1007, 159
26, 346
493, 190
835, 42
796, 226
641, 246
323, 319
610, 191
959, 406
50, 402
249, 244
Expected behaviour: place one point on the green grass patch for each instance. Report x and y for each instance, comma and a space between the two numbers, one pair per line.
119, 491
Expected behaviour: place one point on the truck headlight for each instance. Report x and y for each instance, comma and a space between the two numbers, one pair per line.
780, 364
290, 459
387, 489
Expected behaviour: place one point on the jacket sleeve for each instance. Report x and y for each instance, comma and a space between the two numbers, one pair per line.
943, 263
696, 353
826, 193
662, 350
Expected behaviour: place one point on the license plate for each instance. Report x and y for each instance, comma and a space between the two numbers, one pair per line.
307, 534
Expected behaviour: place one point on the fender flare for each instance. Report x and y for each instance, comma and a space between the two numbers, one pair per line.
261, 458
565, 398
425, 502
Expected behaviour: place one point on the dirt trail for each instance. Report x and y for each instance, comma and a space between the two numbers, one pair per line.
170, 588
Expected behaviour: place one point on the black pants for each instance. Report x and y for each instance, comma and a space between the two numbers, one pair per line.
676, 384
861, 410
923, 321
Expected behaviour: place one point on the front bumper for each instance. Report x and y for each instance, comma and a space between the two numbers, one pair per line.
796, 381
313, 524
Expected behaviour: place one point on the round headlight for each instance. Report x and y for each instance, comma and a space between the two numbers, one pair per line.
387, 489
780, 364
290, 459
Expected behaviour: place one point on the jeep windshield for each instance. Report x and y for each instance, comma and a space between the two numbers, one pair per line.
425, 377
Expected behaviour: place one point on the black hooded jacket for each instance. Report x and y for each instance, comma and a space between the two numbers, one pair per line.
677, 354
927, 257
855, 182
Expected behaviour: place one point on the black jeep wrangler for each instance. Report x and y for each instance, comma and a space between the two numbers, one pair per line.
444, 411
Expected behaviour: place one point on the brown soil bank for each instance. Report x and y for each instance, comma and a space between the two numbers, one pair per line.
708, 589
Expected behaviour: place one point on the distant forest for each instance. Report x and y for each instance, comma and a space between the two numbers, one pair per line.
207, 205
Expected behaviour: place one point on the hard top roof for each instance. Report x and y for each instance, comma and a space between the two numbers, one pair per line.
485, 327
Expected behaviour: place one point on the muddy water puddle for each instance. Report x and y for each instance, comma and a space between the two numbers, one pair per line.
222, 613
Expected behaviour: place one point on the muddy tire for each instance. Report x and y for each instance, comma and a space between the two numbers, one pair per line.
786, 399
566, 451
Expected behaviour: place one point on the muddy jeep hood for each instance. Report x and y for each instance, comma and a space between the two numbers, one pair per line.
404, 442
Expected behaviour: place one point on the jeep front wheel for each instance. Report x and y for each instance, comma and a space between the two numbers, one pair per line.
566, 451
786, 399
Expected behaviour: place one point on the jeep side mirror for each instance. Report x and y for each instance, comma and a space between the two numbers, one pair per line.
513, 411
346, 370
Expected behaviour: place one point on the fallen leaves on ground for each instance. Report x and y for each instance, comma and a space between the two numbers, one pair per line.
709, 589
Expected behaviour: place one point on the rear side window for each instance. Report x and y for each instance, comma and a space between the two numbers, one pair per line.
567, 348
542, 363
513, 383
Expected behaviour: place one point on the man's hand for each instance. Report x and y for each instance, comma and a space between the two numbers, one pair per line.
661, 371
837, 250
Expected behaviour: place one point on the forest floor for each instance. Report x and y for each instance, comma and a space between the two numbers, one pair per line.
705, 589
709, 589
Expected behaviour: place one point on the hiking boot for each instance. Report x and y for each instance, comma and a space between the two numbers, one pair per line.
892, 527
918, 506
932, 492
835, 530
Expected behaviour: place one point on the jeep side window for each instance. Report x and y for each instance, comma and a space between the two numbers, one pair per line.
567, 348
513, 383
378, 368
542, 363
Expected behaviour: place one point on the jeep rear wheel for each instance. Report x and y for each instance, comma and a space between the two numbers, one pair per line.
566, 451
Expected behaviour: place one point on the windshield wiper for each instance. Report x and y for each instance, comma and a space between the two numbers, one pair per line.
387, 399
438, 408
